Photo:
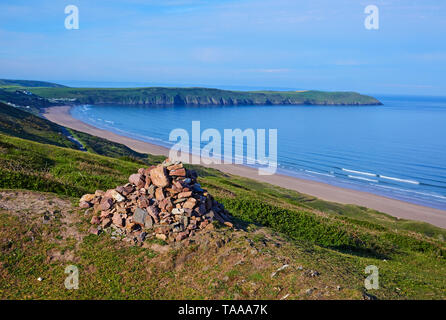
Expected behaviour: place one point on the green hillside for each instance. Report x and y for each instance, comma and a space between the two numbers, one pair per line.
200, 96
18, 123
28, 83
338, 240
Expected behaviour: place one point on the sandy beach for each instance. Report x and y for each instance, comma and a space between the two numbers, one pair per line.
397, 208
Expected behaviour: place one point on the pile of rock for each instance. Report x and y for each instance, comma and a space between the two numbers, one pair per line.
163, 201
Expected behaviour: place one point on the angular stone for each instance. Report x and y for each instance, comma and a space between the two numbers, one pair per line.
117, 220
95, 220
106, 222
185, 221
229, 224
177, 211
151, 190
148, 224
105, 213
190, 203
153, 212
177, 185
126, 190
99, 193
175, 166
95, 230
148, 183
159, 194
117, 196
181, 236
139, 216
105, 204
87, 198
159, 177
185, 194
143, 202
178, 172
138, 180
161, 236
85, 205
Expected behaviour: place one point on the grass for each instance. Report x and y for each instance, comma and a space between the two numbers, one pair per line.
199, 96
18, 123
338, 239
27, 83
25, 125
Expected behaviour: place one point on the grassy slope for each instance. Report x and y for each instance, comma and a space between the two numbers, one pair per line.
25, 125
18, 123
28, 83
340, 240
161, 96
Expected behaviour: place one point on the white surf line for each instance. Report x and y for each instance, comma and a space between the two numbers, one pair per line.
399, 180
320, 173
362, 178
360, 172
412, 191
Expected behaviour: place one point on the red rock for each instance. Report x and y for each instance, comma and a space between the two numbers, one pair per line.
87, 198
117, 220
143, 202
161, 236
204, 224
148, 183
159, 177
177, 185
179, 172
185, 194
154, 213
99, 193
94, 230
106, 222
159, 194
105, 214
190, 203
138, 180
229, 224
85, 205
181, 236
175, 167
105, 204
95, 220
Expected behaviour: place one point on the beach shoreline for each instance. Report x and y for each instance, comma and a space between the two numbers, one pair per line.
393, 207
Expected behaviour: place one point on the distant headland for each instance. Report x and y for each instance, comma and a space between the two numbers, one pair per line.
55, 93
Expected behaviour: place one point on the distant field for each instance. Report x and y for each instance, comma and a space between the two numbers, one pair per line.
200, 96
51, 93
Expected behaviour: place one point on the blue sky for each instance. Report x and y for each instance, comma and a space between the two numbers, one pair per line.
317, 44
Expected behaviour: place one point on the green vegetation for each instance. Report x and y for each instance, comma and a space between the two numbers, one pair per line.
28, 83
336, 239
108, 148
200, 96
24, 100
25, 125
18, 123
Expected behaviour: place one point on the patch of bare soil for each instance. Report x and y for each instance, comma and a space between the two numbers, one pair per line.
33, 208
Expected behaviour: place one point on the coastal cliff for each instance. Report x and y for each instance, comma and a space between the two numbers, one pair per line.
200, 96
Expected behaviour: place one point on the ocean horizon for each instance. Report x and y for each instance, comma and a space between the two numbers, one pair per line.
396, 150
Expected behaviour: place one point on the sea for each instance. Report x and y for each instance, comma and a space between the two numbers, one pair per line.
397, 149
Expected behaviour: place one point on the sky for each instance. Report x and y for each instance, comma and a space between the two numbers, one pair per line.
238, 44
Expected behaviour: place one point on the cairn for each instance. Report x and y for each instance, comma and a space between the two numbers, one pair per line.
163, 201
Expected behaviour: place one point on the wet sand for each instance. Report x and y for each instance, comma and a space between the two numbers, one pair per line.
396, 208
